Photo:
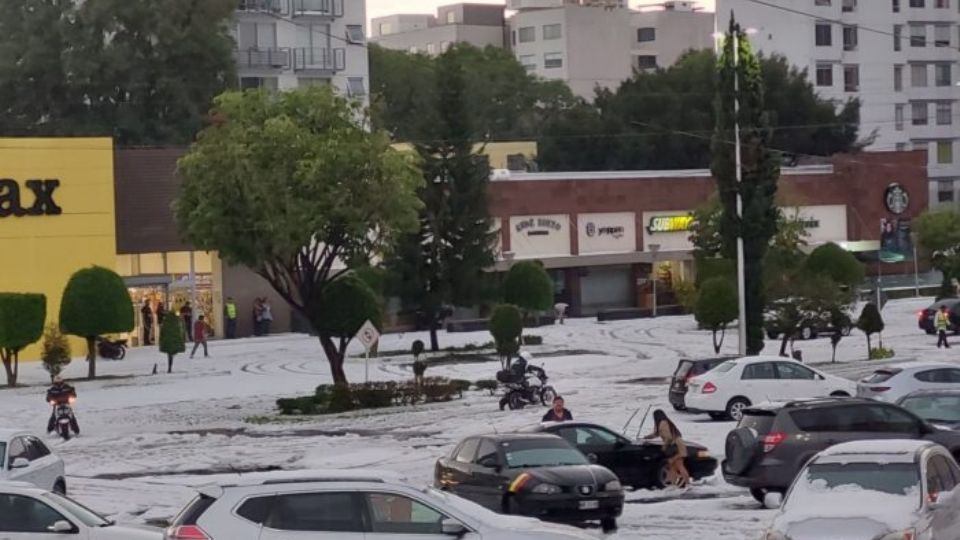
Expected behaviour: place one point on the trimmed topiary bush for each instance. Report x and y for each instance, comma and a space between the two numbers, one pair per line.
21, 323
56, 351
95, 302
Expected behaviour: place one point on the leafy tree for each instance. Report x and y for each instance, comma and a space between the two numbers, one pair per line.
350, 303
938, 235
443, 263
716, 307
506, 325
761, 171
141, 71
870, 322
21, 323
808, 300
290, 183
839, 320
172, 339
529, 287
56, 351
95, 302
836, 263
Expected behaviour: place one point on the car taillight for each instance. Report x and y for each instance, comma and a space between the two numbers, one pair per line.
688, 377
921, 314
772, 440
709, 388
185, 532
879, 388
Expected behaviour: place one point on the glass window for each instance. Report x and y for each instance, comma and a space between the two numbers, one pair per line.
897, 37
528, 61
941, 4
431, 48
17, 450
468, 451
849, 38
724, 367
355, 34
896, 6
396, 514
941, 35
253, 83
787, 370
944, 74
944, 153
918, 35
256, 509
552, 60
937, 409
917, 3
898, 116
355, 87
942, 466
817, 420
646, 34
849, 5
332, 512
584, 436
486, 452
944, 113
36, 449
851, 78
527, 34
918, 75
901, 147
646, 61
762, 370
926, 376
25, 514
451, 17
824, 37
386, 28
304, 82
552, 31
83, 514
890, 419
945, 195
821, 2
898, 78
918, 113
824, 74
523, 453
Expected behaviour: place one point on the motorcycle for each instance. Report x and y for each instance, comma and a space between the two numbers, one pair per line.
526, 389
110, 349
64, 421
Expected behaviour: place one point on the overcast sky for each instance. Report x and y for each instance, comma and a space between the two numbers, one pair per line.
377, 8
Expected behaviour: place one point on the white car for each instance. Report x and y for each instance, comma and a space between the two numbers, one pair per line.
872, 490
891, 383
727, 389
30, 513
25, 458
346, 505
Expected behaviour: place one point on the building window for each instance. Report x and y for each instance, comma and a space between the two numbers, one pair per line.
528, 61
431, 48
355, 34
941, 35
849, 38
918, 113
851, 78
898, 116
552, 31
944, 113
918, 35
943, 73
824, 36
901, 147
552, 60
849, 5
386, 29
898, 78
414, 50
821, 2
646, 61
451, 17
355, 87
513, 38
444, 46
917, 3
941, 4
896, 6
944, 152
527, 34
897, 37
304, 82
269, 83
646, 34
918, 75
945, 192
824, 74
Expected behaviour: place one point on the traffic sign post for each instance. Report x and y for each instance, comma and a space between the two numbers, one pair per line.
368, 336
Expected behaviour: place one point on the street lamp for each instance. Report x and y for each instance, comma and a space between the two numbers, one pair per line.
654, 249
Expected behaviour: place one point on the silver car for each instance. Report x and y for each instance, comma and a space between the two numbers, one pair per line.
891, 383
25, 458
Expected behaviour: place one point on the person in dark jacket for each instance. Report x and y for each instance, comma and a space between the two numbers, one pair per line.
61, 393
186, 313
558, 413
146, 319
161, 313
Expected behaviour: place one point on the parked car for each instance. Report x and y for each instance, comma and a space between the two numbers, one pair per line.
772, 442
938, 407
892, 382
686, 370
31, 513
532, 474
345, 505
925, 317
809, 329
870, 490
639, 464
734, 385
25, 458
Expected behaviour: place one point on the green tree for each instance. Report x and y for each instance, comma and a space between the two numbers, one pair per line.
716, 307
21, 323
140, 71
870, 322
839, 320
290, 183
506, 326
938, 236
172, 339
529, 287
350, 303
806, 301
836, 263
444, 262
95, 302
56, 351
761, 171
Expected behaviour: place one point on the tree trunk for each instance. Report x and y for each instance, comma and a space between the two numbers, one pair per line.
334, 358
783, 343
169, 363
434, 342
10, 365
833, 357
91, 357
868, 346
880, 337
718, 345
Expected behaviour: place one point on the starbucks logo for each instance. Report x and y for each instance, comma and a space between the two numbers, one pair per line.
896, 198
591, 229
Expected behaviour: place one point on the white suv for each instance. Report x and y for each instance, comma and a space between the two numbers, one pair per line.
25, 458
346, 505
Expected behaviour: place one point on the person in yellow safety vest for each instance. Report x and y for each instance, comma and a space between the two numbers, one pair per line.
230, 314
942, 322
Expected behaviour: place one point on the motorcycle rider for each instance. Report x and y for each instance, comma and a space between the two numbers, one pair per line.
60, 394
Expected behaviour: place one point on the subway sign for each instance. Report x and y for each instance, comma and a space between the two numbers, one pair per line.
668, 224
12, 202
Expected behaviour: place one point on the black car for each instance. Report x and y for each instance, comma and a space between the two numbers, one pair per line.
638, 464
925, 317
686, 370
938, 407
532, 474
773, 442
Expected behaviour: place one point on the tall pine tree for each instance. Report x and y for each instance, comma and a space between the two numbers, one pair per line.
760, 169
442, 265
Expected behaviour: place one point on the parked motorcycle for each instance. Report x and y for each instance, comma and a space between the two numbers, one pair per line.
64, 421
110, 349
529, 388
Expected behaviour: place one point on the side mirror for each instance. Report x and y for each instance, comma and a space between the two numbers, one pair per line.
772, 500
592, 458
489, 463
452, 527
20, 463
61, 526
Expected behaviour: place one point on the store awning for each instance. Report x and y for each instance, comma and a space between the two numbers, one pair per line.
147, 281
599, 259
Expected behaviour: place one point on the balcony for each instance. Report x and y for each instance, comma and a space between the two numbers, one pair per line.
305, 59
273, 58
319, 8
262, 6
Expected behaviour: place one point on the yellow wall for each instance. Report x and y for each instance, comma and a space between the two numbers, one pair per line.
39, 253
496, 151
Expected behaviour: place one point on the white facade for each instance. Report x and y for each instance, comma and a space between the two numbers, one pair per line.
480, 25
662, 36
907, 86
286, 44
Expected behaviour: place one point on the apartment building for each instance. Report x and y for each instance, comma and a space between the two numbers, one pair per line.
285, 44
899, 57
477, 24
664, 35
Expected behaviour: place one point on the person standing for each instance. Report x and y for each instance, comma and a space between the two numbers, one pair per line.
558, 413
146, 319
200, 330
674, 449
942, 322
257, 313
186, 313
266, 317
161, 313
230, 314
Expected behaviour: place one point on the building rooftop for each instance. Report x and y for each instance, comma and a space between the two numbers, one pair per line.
503, 175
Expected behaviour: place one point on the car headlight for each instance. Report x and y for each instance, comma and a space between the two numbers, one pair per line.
613, 485
546, 489
908, 534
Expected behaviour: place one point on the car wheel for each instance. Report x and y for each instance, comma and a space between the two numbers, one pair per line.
807, 333
839, 394
514, 401
547, 395
736, 406
661, 478
608, 525
60, 488
678, 408
758, 494
718, 415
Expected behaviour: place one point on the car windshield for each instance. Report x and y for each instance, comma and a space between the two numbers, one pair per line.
525, 453
724, 367
942, 409
81, 513
890, 486
683, 368
881, 375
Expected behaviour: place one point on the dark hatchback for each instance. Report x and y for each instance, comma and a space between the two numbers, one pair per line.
925, 318
686, 370
639, 464
531, 474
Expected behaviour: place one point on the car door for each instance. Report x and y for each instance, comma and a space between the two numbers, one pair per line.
48, 467
18, 449
799, 381
602, 446
457, 474
941, 489
322, 515
392, 516
759, 383
27, 518
488, 483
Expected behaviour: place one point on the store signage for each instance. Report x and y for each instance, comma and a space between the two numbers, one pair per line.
540, 235
11, 203
592, 229
896, 198
538, 226
810, 223
607, 232
668, 224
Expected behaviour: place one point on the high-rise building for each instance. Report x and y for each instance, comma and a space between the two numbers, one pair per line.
284, 44
664, 35
898, 57
477, 24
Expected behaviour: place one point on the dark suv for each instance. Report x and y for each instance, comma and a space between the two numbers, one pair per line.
925, 316
773, 442
686, 370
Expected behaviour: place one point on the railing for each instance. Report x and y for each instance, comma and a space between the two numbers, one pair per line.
319, 59
273, 58
327, 8
268, 6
